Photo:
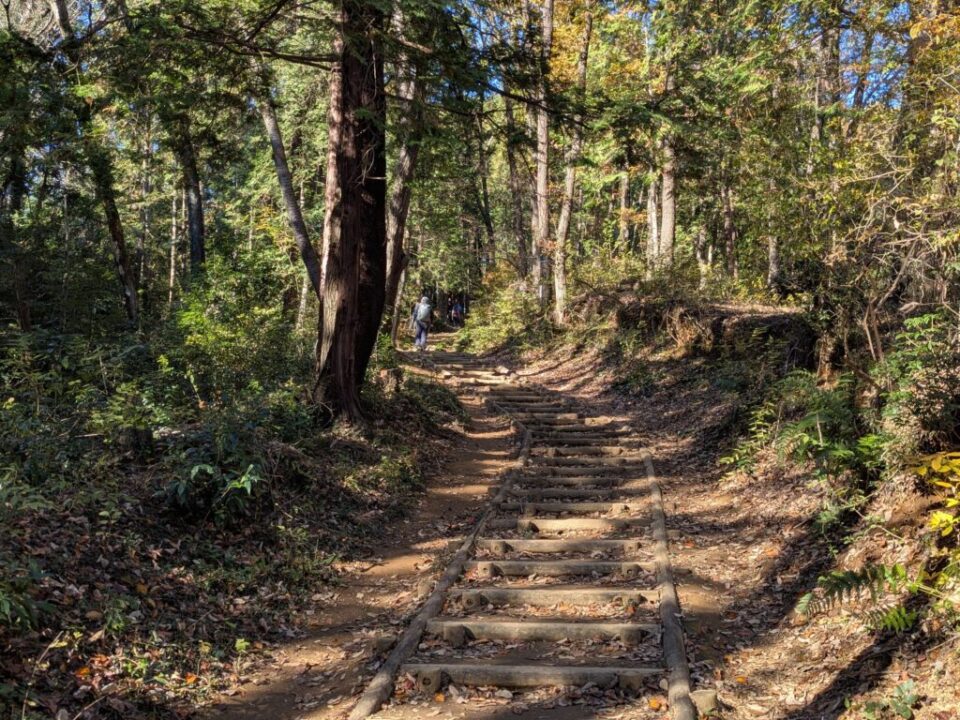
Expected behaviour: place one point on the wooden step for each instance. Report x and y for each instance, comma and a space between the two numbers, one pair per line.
566, 524
556, 568
557, 545
430, 677
550, 595
457, 631
579, 492
572, 507
535, 479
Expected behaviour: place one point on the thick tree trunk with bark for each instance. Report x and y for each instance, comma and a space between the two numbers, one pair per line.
569, 180
183, 145
354, 243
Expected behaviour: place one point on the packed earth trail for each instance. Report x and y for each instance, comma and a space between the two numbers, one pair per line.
564, 586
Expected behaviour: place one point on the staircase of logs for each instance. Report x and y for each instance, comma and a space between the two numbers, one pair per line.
572, 549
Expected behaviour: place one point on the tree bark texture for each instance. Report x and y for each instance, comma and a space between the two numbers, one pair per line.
653, 227
11, 202
354, 244
186, 154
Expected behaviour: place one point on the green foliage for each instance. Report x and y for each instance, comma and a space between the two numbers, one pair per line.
505, 314
805, 421
901, 704
921, 380
873, 583
18, 608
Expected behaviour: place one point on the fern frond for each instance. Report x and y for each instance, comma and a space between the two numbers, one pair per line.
895, 618
841, 586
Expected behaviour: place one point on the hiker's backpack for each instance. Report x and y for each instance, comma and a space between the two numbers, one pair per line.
423, 312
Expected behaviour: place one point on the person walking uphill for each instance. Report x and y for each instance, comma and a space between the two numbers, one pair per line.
422, 313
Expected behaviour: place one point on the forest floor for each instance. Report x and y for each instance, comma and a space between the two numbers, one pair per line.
746, 548
743, 549
318, 675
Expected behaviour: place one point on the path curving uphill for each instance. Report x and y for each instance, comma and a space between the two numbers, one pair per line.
566, 579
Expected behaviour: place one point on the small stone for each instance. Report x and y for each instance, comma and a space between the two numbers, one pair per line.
705, 700
504, 693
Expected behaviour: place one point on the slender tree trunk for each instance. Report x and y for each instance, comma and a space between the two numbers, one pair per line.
516, 191
486, 214
541, 238
174, 236
569, 180
354, 243
294, 211
668, 206
101, 167
704, 256
773, 261
103, 184
186, 154
11, 202
410, 133
623, 219
653, 228
730, 233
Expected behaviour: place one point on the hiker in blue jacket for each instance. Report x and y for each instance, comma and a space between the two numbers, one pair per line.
422, 313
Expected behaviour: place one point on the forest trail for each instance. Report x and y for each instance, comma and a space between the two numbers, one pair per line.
568, 582
318, 676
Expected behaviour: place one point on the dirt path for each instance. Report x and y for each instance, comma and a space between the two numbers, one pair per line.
355, 622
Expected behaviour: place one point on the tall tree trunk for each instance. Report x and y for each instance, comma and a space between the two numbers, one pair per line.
773, 261
98, 159
668, 205
103, 185
183, 144
541, 238
174, 236
516, 190
623, 219
730, 232
704, 255
570, 178
486, 214
397, 310
653, 227
410, 134
11, 202
354, 242
294, 211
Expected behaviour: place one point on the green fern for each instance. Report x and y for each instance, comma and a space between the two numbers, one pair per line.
894, 618
842, 586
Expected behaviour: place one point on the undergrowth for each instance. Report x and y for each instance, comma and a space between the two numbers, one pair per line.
173, 496
860, 433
